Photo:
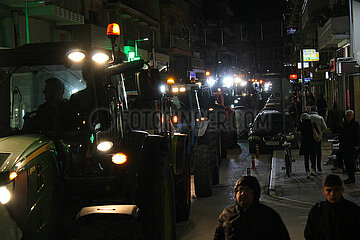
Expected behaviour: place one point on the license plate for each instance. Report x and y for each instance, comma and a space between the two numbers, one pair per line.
272, 143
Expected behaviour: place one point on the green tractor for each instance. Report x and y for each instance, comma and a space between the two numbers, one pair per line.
90, 175
189, 114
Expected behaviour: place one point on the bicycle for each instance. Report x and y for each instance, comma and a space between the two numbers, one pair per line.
288, 157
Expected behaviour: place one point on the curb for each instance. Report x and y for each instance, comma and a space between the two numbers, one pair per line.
272, 186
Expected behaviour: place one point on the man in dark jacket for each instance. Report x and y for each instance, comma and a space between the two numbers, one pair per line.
335, 119
249, 219
333, 219
349, 144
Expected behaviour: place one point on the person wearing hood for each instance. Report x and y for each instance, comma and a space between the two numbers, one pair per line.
248, 218
334, 218
349, 140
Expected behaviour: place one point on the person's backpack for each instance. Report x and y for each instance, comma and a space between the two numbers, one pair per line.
315, 134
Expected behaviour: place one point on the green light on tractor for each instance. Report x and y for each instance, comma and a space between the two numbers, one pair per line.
130, 53
92, 138
132, 57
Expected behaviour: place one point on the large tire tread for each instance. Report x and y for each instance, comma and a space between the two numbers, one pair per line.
202, 171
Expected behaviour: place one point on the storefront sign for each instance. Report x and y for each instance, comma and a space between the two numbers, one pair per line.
310, 55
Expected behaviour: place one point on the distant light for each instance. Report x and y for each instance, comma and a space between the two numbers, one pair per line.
162, 89
211, 82
228, 82
237, 80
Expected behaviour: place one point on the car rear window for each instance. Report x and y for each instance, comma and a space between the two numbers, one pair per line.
272, 123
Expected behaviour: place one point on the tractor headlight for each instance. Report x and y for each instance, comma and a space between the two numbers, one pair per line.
76, 56
5, 195
119, 158
100, 57
104, 146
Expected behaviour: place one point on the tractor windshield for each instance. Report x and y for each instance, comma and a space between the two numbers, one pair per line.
24, 89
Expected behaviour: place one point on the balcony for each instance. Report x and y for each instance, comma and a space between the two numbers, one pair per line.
335, 30
57, 14
177, 46
197, 63
48, 11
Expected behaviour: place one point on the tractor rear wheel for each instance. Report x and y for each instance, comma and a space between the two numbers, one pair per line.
202, 171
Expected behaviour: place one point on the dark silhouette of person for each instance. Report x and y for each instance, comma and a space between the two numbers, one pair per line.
307, 146
334, 218
310, 99
51, 115
335, 119
349, 144
321, 105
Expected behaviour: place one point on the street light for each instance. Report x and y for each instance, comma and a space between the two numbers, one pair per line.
139, 40
27, 17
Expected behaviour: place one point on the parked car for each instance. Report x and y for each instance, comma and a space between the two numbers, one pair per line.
265, 128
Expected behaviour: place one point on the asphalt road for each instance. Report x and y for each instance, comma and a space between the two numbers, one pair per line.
205, 211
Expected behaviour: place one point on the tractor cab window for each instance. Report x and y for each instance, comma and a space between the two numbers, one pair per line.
28, 89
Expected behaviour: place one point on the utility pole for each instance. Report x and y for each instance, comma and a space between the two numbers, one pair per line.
299, 38
302, 78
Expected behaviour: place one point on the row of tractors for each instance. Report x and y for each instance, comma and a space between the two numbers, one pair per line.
119, 165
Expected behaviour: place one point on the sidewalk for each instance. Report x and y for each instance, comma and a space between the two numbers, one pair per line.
299, 189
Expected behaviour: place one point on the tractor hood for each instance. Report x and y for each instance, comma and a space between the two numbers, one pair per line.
18, 147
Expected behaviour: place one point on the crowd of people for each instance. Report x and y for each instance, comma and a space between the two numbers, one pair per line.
312, 124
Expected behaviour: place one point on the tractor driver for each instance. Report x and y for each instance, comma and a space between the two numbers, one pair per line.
51, 115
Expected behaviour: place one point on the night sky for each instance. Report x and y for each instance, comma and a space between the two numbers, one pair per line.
244, 10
